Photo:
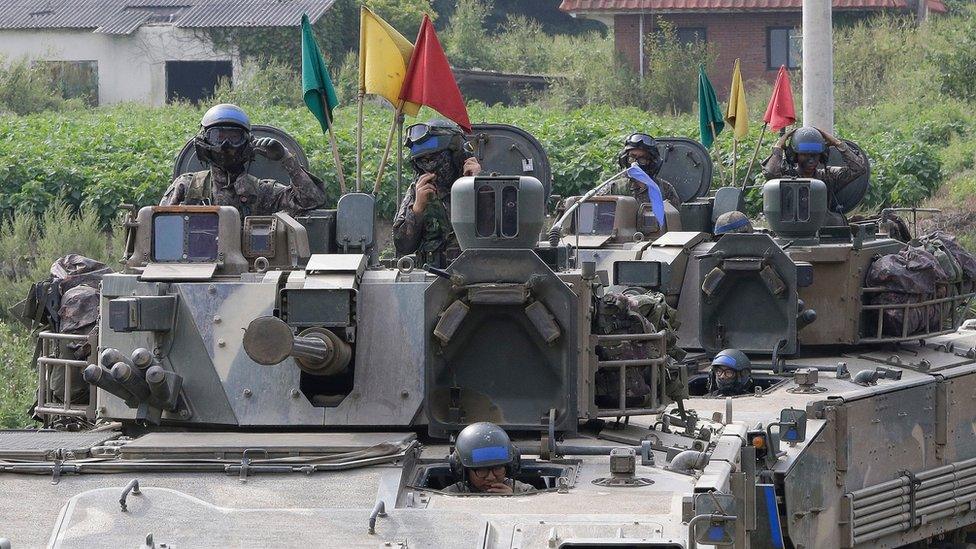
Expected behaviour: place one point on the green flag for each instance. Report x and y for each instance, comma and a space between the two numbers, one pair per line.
316, 84
709, 113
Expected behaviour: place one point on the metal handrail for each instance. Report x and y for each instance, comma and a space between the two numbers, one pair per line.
658, 380
48, 407
947, 307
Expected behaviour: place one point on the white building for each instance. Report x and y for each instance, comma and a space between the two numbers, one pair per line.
146, 51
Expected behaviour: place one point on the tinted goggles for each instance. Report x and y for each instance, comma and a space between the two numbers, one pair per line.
416, 133
232, 135
641, 139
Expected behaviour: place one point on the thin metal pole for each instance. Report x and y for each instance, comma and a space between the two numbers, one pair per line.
399, 160
718, 154
334, 143
755, 155
359, 143
386, 151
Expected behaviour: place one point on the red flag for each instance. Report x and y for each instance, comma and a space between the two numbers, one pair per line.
780, 112
429, 80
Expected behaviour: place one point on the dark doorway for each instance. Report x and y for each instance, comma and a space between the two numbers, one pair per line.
194, 80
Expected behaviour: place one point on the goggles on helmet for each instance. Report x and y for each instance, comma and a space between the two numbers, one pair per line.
641, 139
416, 133
232, 135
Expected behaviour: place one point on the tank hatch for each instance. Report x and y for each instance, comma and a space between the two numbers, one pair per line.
507, 150
687, 166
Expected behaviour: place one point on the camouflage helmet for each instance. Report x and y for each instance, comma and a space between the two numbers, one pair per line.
733, 222
483, 444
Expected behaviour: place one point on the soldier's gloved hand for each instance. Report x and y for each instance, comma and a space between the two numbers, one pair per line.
471, 167
270, 148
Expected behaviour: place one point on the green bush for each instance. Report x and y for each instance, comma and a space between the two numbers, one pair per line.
19, 377
26, 89
263, 82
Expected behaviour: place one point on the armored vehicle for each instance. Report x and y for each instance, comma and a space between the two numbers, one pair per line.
269, 382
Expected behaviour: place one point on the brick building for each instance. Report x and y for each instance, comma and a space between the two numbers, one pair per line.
764, 34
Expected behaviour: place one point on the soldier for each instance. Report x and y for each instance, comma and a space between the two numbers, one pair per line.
225, 144
642, 149
440, 155
484, 459
806, 156
732, 222
731, 374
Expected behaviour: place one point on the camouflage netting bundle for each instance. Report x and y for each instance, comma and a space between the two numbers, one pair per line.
915, 275
78, 280
632, 312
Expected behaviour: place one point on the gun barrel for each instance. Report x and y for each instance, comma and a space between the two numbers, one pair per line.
269, 340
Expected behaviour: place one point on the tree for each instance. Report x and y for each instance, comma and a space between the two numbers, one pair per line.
404, 15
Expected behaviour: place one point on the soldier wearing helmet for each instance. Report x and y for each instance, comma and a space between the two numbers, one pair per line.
731, 374
440, 155
641, 148
732, 222
806, 156
225, 144
485, 462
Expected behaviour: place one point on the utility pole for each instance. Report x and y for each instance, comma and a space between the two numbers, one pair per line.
818, 65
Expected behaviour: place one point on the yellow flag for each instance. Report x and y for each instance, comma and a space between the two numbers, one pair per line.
383, 58
737, 113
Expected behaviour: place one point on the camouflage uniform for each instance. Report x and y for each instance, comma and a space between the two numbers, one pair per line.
836, 177
465, 488
625, 186
430, 235
250, 195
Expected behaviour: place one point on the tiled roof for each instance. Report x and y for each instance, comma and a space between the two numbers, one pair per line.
707, 5
125, 16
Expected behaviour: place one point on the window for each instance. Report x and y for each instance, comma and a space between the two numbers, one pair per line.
783, 47
684, 35
194, 81
74, 79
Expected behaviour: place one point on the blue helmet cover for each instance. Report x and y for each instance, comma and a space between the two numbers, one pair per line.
489, 454
810, 148
432, 143
226, 114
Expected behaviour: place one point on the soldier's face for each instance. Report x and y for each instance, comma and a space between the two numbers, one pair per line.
483, 478
807, 164
640, 156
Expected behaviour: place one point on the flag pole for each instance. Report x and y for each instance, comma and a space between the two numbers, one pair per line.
386, 151
399, 158
359, 142
755, 154
718, 154
334, 143
735, 159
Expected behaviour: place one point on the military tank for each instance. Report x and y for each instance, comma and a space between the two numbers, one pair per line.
268, 381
